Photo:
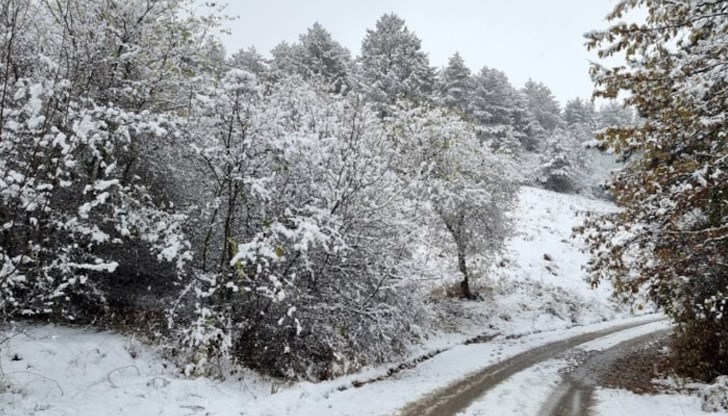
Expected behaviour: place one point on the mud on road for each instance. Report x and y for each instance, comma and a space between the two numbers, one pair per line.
573, 396
458, 396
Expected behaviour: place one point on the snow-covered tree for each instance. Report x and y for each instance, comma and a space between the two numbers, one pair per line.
493, 107
542, 104
526, 127
392, 65
614, 114
286, 59
325, 59
564, 162
308, 230
85, 101
250, 60
670, 240
468, 188
317, 56
455, 84
578, 111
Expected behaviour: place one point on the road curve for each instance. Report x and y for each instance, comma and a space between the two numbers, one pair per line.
573, 396
457, 396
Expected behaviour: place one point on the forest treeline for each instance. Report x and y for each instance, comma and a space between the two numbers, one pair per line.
281, 212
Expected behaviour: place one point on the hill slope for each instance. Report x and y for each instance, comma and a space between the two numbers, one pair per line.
536, 286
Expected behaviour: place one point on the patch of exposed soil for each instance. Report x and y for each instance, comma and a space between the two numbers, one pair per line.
636, 371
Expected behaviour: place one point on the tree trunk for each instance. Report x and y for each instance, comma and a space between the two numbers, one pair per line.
465, 284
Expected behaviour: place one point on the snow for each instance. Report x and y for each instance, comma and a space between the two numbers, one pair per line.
527, 391
65, 371
98, 267
611, 402
69, 371
73, 371
544, 223
522, 394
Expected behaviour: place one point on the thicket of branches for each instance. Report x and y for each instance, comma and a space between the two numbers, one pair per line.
670, 240
277, 212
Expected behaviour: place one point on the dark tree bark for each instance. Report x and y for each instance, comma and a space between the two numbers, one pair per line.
465, 283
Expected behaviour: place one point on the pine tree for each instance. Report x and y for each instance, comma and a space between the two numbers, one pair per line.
527, 128
323, 58
493, 106
543, 105
392, 64
670, 240
578, 111
317, 57
563, 160
614, 114
286, 59
455, 84
250, 60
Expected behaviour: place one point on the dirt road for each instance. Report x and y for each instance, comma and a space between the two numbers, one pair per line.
573, 396
456, 397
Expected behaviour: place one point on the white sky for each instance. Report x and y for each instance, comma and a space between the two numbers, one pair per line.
538, 39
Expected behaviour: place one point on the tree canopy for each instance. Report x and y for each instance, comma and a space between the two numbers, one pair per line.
670, 241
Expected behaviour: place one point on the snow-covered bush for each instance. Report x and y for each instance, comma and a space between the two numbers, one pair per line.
715, 396
564, 163
305, 232
79, 209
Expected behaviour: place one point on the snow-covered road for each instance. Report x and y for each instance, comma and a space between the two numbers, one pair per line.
472, 393
73, 372
573, 397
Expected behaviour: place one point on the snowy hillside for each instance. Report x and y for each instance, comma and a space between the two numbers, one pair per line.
538, 282
59, 371
544, 264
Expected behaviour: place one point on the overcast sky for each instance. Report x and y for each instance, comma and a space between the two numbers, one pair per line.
537, 39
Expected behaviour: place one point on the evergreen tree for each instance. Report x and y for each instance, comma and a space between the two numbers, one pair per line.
250, 60
527, 128
286, 59
578, 111
543, 105
392, 64
317, 57
455, 84
614, 114
563, 160
323, 58
670, 240
493, 106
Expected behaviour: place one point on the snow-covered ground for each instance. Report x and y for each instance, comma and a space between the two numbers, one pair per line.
543, 253
536, 292
57, 371
538, 284
610, 402
526, 392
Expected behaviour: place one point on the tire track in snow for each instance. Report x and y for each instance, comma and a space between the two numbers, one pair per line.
457, 396
573, 396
